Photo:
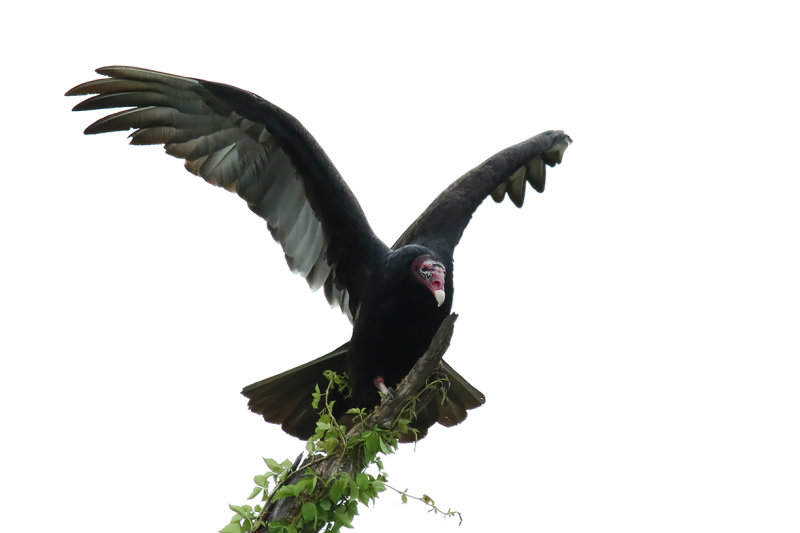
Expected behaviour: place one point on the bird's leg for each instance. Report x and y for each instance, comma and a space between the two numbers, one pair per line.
384, 390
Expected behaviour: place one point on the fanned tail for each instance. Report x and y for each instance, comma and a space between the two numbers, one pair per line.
285, 398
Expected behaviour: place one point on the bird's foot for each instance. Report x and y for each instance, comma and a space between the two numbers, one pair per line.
386, 392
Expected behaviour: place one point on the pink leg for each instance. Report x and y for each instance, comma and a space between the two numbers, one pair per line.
379, 383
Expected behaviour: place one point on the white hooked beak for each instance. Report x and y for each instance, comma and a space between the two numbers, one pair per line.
440, 297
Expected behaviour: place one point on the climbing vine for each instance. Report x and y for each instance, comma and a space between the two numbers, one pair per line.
328, 504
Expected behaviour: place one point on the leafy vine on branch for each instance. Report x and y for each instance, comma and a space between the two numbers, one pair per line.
342, 467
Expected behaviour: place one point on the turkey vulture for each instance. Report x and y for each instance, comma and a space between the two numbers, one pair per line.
396, 297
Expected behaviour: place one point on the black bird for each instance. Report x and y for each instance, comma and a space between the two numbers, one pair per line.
396, 297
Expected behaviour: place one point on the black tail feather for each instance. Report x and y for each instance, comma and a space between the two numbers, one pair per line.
286, 397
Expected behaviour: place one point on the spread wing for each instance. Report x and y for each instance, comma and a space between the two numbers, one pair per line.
239, 141
505, 173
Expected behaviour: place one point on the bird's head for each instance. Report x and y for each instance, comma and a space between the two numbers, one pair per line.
430, 272
413, 267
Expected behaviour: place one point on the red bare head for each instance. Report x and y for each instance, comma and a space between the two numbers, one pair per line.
431, 273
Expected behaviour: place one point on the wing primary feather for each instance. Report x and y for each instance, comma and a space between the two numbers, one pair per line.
194, 165
311, 250
153, 135
142, 117
536, 173
107, 85
146, 75
499, 193
295, 243
125, 120
287, 210
319, 274
222, 167
554, 155
205, 144
327, 290
123, 99
516, 187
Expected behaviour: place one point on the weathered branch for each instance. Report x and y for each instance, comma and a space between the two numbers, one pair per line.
351, 462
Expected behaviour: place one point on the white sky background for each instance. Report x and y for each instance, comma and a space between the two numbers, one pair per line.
634, 329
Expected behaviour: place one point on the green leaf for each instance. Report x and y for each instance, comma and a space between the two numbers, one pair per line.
260, 480
377, 486
325, 505
404, 498
238, 510
286, 491
352, 508
335, 494
371, 444
273, 465
309, 512
384, 448
343, 518
330, 443
316, 396
276, 526
232, 528
304, 485
401, 425
256, 492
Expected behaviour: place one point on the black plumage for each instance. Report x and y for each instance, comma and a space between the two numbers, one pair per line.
395, 297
